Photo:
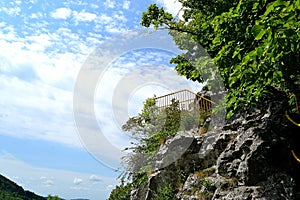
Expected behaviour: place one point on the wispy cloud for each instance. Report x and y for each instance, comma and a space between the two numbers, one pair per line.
84, 16
13, 11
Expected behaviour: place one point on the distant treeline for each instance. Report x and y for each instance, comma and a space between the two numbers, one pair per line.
11, 191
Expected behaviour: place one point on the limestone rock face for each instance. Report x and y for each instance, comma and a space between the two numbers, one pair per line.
248, 158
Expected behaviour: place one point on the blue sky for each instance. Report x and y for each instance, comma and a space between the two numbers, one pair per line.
44, 46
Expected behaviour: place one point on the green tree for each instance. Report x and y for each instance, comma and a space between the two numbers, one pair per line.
254, 45
121, 192
50, 197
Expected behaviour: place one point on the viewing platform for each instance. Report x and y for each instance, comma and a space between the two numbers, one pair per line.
187, 99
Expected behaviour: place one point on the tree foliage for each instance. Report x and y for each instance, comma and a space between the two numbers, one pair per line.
50, 197
121, 192
11, 191
254, 44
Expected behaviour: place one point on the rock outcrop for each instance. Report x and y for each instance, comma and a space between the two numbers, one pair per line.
248, 158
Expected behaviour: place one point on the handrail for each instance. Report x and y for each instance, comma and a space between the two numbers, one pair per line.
295, 123
183, 91
186, 98
290, 119
295, 156
200, 96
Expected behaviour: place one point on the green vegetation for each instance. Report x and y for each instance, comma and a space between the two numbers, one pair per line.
165, 193
150, 128
254, 45
121, 192
50, 197
11, 191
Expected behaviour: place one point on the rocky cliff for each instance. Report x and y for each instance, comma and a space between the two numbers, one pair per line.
248, 158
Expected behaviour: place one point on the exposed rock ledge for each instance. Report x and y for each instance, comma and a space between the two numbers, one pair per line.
249, 158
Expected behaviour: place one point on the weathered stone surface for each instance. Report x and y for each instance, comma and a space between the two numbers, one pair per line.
251, 155
175, 147
201, 153
276, 187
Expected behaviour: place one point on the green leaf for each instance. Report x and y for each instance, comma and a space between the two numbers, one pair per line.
216, 41
235, 53
258, 31
260, 51
279, 3
255, 5
270, 8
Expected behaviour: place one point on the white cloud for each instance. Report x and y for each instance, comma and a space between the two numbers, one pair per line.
38, 85
95, 178
104, 19
79, 188
111, 24
38, 111
61, 13
94, 6
120, 17
172, 6
113, 29
37, 15
48, 183
126, 5
38, 42
109, 187
77, 181
109, 4
10, 34
84, 16
11, 11
18, 2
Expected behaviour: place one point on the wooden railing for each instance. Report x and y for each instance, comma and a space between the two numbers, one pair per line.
187, 99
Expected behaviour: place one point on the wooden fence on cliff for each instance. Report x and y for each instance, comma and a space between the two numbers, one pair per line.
187, 99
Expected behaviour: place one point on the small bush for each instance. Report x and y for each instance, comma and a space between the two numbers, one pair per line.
165, 193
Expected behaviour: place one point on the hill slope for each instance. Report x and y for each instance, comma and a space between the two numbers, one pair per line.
11, 191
